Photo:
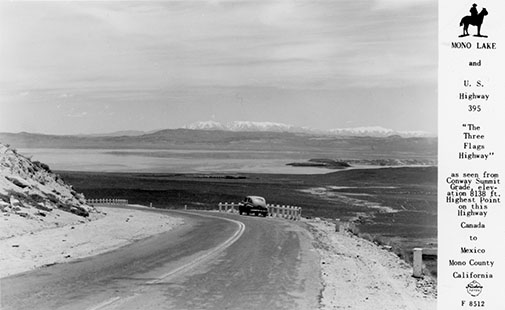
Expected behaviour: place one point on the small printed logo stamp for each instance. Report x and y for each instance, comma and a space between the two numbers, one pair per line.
475, 18
474, 288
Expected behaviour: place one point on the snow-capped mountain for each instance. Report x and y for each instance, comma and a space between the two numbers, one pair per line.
363, 131
372, 131
206, 125
262, 126
244, 126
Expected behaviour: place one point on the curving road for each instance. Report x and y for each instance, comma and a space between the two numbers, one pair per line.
213, 261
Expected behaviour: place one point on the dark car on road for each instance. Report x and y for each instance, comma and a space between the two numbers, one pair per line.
253, 205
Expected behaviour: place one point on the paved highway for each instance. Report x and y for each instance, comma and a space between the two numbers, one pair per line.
213, 261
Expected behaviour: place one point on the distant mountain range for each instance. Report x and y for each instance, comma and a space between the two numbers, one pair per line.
249, 126
374, 131
305, 144
127, 133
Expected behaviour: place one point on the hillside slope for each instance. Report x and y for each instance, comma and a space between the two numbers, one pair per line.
31, 191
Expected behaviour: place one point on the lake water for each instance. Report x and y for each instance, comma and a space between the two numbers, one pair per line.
171, 161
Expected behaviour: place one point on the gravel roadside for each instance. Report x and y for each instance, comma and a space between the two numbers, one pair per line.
62, 236
357, 274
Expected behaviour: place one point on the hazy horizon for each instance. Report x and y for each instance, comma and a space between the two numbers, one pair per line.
313, 130
100, 67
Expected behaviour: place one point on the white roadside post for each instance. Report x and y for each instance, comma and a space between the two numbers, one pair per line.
337, 225
418, 262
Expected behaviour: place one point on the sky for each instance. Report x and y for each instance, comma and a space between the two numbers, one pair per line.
95, 67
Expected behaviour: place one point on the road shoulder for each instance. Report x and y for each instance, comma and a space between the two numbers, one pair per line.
357, 274
63, 240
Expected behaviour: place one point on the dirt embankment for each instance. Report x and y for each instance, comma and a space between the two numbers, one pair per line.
358, 274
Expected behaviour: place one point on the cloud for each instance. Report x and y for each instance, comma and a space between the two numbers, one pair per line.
65, 96
175, 53
77, 115
145, 45
389, 5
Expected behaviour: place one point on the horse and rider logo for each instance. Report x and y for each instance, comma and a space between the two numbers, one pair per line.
475, 19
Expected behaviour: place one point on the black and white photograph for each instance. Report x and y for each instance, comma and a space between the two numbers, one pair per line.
231, 154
